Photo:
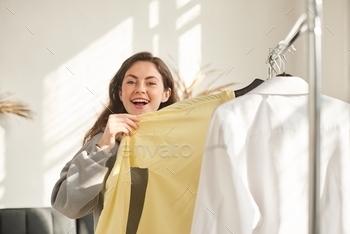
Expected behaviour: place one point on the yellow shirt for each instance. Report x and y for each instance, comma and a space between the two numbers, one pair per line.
152, 186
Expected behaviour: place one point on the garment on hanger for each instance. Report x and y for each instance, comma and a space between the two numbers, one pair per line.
153, 184
255, 169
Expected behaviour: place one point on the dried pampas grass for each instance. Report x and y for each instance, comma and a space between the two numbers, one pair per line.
205, 71
14, 107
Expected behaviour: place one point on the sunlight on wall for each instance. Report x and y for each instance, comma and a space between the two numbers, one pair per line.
75, 94
153, 22
153, 13
189, 45
190, 54
2, 164
188, 16
181, 3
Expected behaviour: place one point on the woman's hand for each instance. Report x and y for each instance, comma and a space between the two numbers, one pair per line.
116, 125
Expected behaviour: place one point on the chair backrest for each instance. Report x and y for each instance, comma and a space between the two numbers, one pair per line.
45, 220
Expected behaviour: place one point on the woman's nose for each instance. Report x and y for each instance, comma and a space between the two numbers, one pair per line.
140, 88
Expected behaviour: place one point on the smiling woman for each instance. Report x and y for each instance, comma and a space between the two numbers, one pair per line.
142, 84
142, 89
136, 68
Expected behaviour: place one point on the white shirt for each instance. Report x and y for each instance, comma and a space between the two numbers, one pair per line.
255, 172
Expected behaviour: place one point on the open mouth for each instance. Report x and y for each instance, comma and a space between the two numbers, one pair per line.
140, 102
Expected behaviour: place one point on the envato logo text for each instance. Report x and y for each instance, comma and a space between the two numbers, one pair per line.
163, 150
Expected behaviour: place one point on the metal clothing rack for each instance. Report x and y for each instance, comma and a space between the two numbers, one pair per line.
312, 23
277, 54
315, 80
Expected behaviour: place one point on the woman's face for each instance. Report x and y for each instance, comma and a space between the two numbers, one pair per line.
142, 89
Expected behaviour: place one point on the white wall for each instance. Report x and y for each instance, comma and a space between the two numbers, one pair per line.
336, 45
59, 57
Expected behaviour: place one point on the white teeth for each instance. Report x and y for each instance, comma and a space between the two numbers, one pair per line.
140, 100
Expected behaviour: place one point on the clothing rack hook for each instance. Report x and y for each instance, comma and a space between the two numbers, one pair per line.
286, 45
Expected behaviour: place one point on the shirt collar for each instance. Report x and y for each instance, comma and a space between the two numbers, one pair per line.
286, 85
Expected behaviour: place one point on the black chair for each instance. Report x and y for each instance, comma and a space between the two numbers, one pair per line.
45, 220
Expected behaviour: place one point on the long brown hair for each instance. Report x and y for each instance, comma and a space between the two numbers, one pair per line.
115, 105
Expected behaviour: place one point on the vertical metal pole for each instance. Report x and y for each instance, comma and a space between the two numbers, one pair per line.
314, 9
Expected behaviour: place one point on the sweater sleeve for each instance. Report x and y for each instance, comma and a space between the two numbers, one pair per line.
78, 190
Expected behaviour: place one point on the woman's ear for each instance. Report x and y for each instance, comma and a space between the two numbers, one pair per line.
166, 95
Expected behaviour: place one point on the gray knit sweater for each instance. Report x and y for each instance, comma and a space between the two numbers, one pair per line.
80, 188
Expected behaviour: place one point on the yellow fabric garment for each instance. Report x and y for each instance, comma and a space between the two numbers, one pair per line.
158, 169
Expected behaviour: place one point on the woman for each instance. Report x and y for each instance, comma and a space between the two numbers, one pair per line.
142, 84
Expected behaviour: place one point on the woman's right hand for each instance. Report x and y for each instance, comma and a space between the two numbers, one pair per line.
117, 124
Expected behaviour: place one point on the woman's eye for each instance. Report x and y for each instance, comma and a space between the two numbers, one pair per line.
152, 83
130, 82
